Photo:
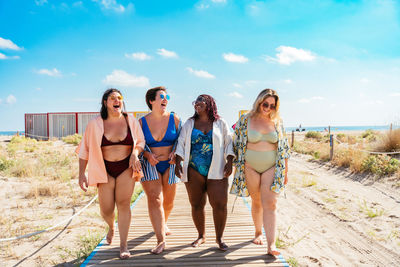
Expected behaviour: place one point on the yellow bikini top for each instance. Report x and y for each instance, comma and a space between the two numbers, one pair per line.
254, 136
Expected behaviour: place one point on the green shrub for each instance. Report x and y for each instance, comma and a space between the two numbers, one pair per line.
341, 137
4, 163
72, 139
367, 133
380, 165
314, 135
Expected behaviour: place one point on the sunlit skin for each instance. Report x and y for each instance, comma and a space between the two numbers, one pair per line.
116, 191
198, 187
160, 195
263, 199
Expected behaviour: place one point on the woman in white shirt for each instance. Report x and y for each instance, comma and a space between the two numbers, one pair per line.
205, 147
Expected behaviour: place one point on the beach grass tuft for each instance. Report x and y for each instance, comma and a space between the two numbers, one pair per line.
292, 262
380, 165
390, 142
74, 139
314, 135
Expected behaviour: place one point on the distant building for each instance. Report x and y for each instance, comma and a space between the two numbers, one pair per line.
45, 126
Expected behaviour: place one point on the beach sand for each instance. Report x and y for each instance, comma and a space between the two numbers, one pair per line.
329, 217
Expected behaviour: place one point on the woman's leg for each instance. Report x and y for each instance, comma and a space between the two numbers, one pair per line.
253, 181
153, 190
124, 186
169, 192
196, 188
217, 191
269, 200
107, 205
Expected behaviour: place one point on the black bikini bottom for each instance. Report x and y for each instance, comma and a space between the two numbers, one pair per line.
115, 168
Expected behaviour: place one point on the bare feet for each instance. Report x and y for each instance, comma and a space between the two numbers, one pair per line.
159, 248
124, 253
258, 239
167, 231
222, 246
110, 236
198, 242
273, 252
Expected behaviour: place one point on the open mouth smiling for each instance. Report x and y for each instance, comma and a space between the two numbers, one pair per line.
116, 106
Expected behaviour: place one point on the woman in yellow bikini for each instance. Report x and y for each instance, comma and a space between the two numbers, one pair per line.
262, 152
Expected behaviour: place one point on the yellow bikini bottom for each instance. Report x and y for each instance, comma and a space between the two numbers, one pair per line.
260, 161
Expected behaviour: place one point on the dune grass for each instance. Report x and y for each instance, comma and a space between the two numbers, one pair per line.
352, 154
72, 139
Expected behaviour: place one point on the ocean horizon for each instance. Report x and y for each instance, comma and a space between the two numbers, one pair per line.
289, 129
340, 128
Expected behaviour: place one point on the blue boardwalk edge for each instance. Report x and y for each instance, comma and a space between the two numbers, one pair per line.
280, 257
104, 238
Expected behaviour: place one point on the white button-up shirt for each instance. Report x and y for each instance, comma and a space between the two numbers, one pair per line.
222, 148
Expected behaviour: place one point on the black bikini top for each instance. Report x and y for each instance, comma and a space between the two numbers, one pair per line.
128, 141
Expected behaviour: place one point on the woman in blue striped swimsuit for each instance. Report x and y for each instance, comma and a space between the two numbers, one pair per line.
160, 129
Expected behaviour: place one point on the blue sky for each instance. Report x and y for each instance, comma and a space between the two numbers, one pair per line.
332, 62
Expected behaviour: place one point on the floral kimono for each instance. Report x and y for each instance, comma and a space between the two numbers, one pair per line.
240, 145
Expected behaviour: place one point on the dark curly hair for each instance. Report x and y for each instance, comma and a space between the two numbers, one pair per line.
103, 110
211, 108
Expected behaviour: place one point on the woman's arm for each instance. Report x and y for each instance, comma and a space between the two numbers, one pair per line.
83, 182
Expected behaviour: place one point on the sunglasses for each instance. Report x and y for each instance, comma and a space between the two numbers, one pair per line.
270, 106
165, 97
119, 97
198, 101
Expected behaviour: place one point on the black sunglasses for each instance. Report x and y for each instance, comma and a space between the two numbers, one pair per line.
266, 105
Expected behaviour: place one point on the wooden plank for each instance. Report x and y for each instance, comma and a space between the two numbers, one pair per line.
238, 233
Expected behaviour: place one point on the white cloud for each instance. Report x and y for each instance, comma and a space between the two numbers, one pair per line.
287, 55
11, 99
395, 94
54, 72
2, 56
288, 81
237, 85
304, 100
364, 80
77, 4
1, 101
202, 6
40, 2
122, 78
8, 44
230, 57
165, 53
38, 89
201, 73
113, 5
138, 56
311, 99
236, 95
251, 82
218, 1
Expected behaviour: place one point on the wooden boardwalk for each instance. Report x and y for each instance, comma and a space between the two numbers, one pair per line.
238, 233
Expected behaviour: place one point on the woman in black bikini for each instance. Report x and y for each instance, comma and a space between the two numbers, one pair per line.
111, 145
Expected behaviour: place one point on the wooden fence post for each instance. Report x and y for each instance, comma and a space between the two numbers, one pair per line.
391, 127
331, 145
329, 130
292, 138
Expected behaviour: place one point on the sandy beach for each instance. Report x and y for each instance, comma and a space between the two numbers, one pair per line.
330, 217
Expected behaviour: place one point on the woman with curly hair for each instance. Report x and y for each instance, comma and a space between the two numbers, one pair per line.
205, 147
